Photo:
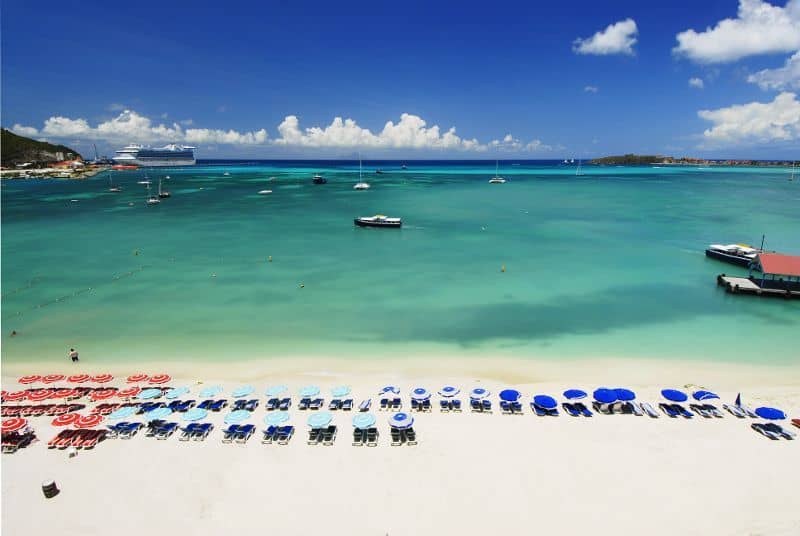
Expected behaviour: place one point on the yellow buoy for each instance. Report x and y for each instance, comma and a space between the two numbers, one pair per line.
503, 268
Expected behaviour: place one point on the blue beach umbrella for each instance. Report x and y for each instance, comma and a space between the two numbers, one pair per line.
320, 420
158, 413
309, 390
605, 396
122, 413
545, 402
178, 392
147, 394
195, 414
339, 391
276, 417
704, 395
574, 394
772, 414
479, 393
363, 420
211, 392
673, 395
625, 395
244, 390
235, 417
420, 393
401, 420
389, 389
276, 390
449, 390
509, 395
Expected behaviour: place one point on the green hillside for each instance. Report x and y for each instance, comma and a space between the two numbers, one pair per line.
16, 149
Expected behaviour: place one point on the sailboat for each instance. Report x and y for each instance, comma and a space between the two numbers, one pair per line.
360, 185
151, 199
111, 187
579, 170
146, 180
496, 179
791, 178
162, 194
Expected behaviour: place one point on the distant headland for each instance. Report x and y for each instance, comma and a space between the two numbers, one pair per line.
639, 160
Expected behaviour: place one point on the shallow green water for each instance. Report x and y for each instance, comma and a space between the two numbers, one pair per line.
607, 264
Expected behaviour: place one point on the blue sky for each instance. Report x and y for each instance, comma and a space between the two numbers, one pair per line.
224, 77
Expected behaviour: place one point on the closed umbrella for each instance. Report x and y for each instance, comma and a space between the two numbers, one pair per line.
362, 421
309, 390
244, 390
509, 395
772, 414
605, 396
704, 395
340, 391
25, 380
158, 413
122, 413
574, 394
147, 394
545, 402
420, 393
401, 420
320, 420
276, 390
673, 395
479, 393
195, 414
13, 424
276, 417
235, 417
448, 391
178, 392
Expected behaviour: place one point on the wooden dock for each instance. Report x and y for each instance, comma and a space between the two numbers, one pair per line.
743, 285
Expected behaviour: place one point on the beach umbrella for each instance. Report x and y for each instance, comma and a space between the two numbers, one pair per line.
244, 390
389, 389
25, 380
574, 394
401, 420
102, 378
625, 395
509, 395
449, 390
605, 396
39, 395
341, 390
122, 413
320, 420
64, 393
545, 402
136, 378
673, 395
738, 401
277, 417
195, 414
420, 393
211, 392
103, 394
235, 417
158, 413
178, 392
65, 419
772, 414
88, 421
479, 392
79, 378
276, 390
704, 395
147, 394
13, 424
129, 392
52, 378
15, 396
160, 378
309, 390
363, 420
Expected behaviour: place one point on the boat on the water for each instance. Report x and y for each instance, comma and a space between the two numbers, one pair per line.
140, 155
360, 185
497, 179
738, 254
111, 187
378, 220
319, 179
264, 192
162, 194
151, 199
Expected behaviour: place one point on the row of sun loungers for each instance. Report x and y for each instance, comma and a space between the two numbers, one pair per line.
37, 410
308, 403
449, 404
278, 434
368, 437
344, 405
772, 431
160, 429
249, 405
391, 404
577, 409
124, 430
238, 433
78, 438
405, 435
420, 405
325, 436
510, 408
196, 431
484, 406
106, 408
213, 405
13, 441
280, 404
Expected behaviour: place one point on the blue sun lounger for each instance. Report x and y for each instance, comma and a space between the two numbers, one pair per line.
365, 404
475, 404
570, 409
668, 410
229, 432
284, 434
347, 404
272, 404
285, 404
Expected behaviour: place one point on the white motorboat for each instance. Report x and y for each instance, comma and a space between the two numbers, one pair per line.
379, 220
264, 192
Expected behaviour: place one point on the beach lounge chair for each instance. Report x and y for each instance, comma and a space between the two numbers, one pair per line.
504, 407
648, 409
444, 405
334, 404
285, 434
635, 409
780, 430
314, 436
219, 405
285, 404
304, 403
130, 430
411, 436
700, 410
455, 405
570, 409
229, 432
251, 405
244, 433
396, 438
713, 410
516, 407
317, 403
475, 404
759, 427
175, 405
238, 405
683, 412
202, 431
426, 405
347, 404
188, 432
365, 405
796, 422
359, 437
272, 404
397, 404
166, 430
91, 441
53, 443
152, 427
329, 435
749, 412
372, 437
734, 410
269, 434
486, 406
384, 403
668, 410
206, 404
415, 405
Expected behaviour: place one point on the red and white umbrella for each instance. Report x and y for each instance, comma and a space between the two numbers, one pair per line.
15, 396
88, 421
136, 378
129, 392
102, 394
66, 419
52, 378
65, 393
39, 394
13, 424
30, 379
160, 378
102, 378
79, 378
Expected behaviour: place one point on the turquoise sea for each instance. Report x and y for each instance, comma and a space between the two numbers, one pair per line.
607, 264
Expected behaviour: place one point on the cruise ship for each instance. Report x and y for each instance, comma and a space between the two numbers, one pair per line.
169, 155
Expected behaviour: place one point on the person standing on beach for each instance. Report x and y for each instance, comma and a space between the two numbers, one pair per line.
73, 355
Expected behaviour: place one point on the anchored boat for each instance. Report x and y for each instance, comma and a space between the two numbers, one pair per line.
378, 220
738, 254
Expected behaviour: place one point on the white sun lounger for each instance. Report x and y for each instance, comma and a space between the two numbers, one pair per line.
651, 412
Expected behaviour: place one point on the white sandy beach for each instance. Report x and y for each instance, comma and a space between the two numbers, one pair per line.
469, 474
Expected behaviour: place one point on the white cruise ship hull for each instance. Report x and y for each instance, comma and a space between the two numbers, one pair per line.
156, 162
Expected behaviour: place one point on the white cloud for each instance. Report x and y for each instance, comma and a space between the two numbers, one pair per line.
116, 107
64, 127
786, 77
24, 131
617, 38
759, 28
591, 89
696, 83
511, 144
232, 137
778, 120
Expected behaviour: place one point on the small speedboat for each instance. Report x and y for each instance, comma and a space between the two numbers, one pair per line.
738, 254
497, 180
361, 186
319, 179
264, 192
378, 220
153, 201
115, 189
403, 167
226, 174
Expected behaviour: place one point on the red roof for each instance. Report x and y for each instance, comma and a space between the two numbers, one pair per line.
775, 263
